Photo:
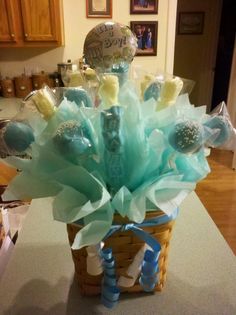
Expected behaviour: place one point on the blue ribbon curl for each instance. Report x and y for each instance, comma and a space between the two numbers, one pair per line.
148, 278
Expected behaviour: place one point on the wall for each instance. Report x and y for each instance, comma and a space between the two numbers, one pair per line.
13, 61
195, 54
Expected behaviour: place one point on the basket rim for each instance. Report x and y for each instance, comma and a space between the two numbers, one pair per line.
118, 219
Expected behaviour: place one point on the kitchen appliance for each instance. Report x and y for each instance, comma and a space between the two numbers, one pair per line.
62, 68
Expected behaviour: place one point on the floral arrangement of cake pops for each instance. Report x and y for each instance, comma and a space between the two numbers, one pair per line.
112, 150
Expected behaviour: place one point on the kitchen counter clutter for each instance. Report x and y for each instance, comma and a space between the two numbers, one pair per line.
11, 220
201, 271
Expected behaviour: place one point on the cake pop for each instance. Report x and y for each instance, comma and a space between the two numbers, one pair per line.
79, 96
186, 137
70, 140
222, 125
18, 136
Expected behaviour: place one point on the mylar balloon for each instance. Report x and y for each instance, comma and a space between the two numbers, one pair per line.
109, 43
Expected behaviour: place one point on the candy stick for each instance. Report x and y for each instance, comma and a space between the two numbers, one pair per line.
90, 74
148, 78
109, 90
169, 93
113, 141
45, 102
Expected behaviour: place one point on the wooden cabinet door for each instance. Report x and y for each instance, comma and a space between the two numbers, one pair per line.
7, 25
41, 20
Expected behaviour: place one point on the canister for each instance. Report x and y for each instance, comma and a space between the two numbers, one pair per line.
23, 86
39, 79
8, 89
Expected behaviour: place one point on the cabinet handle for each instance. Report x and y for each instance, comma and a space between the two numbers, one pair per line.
12, 35
26, 35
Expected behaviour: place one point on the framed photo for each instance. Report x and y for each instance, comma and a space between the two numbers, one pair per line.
143, 6
146, 33
191, 23
99, 8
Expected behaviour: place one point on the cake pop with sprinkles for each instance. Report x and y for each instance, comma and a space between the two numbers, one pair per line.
70, 139
186, 137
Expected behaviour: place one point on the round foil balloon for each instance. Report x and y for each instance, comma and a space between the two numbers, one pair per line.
109, 43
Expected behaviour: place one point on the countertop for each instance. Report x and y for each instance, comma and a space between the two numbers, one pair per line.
201, 273
9, 107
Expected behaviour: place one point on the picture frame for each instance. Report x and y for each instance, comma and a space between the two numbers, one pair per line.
99, 8
191, 23
146, 33
143, 6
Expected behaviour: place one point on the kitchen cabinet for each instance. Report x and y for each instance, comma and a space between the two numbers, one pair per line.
31, 23
7, 22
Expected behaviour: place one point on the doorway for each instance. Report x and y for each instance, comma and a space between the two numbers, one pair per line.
206, 58
195, 51
224, 52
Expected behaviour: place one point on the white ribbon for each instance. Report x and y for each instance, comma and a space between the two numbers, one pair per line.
94, 260
133, 270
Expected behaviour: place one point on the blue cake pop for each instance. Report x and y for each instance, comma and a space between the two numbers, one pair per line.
70, 139
18, 136
153, 91
79, 96
222, 124
186, 137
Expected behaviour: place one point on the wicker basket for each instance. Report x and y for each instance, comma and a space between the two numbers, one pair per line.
124, 245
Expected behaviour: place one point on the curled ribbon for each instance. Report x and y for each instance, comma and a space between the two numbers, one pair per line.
149, 271
110, 291
149, 266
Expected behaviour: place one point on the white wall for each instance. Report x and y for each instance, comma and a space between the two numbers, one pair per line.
14, 60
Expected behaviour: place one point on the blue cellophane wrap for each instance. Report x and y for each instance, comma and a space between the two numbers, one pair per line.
153, 174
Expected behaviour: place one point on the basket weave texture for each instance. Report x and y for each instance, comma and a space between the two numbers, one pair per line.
124, 246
